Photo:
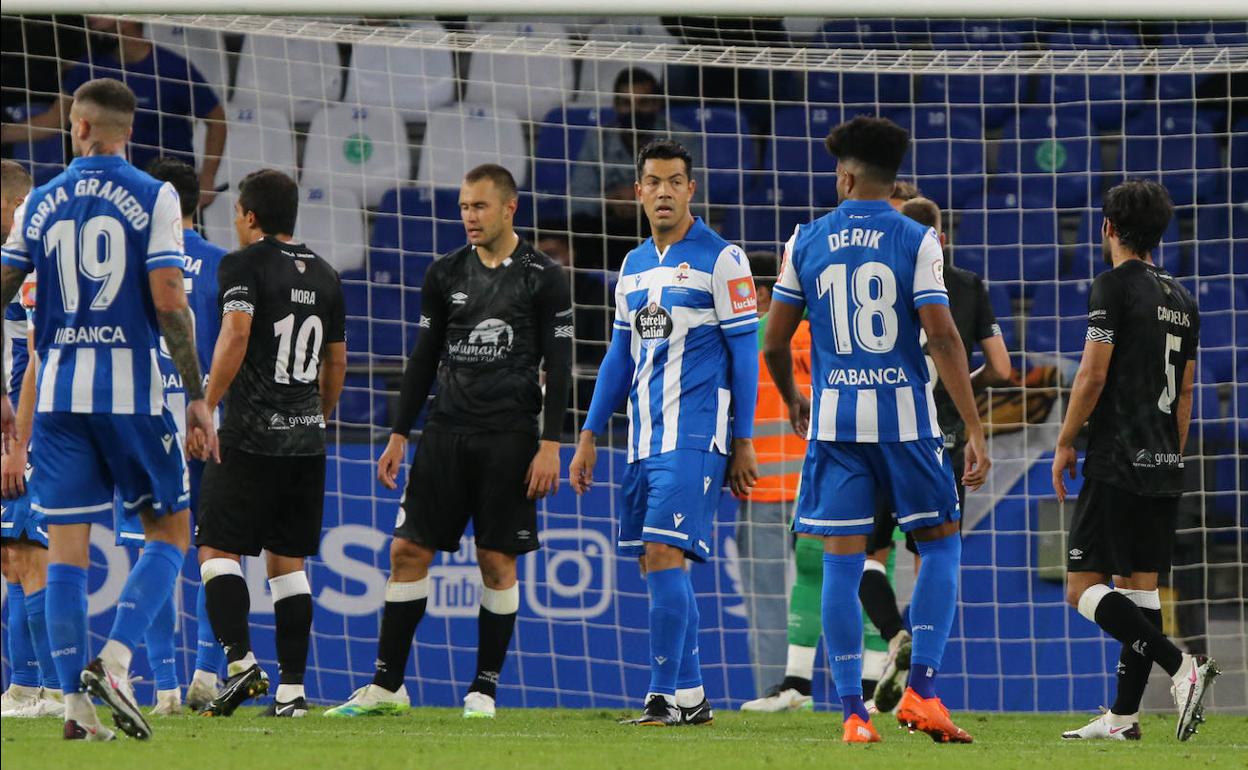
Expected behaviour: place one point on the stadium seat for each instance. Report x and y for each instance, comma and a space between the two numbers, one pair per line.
995, 95
871, 33
1238, 157
528, 86
1213, 240
1014, 244
255, 138
1110, 100
406, 223
763, 227
637, 33
858, 92
1057, 319
1215, 299
726, 147
1174, 145
203, 48
947, 157
363, 149
1087, 256
803, 170
298, 75
1048, 158
217, 220
466, 135
1084, 35
979, 34
410, 80
43, 158
559, 138
1187, 34
331, 224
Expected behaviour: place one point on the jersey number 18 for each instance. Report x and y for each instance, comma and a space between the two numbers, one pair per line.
875, 294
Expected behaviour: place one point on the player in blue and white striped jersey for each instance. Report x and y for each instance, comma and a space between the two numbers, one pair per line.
870, 279
106, 241
684, 352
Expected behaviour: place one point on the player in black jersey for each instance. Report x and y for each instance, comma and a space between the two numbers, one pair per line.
279, 362
491, 312
1134, 388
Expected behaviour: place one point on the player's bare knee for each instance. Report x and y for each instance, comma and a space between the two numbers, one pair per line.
282, 565
1137, 581
938, 532
173, 528
409, 561
661, 556
498, 569
8, 566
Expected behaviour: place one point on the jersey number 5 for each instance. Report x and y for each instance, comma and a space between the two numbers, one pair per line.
875, 294
1173, 345
307, 344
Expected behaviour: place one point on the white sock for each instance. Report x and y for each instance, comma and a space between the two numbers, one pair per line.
116, 656
671, 699
78, 708
690, 696
174, 693
239, 666
801, 662
288, 692
1121, 720
207, 678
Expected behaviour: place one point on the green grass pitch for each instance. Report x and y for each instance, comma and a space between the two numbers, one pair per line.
428, 739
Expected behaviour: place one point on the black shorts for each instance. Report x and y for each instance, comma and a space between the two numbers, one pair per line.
251, 502
1115, 532
477, 477
885, 526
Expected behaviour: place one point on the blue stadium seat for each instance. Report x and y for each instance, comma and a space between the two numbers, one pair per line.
994, 95
803, 170
1214, 297
1213, 240
1057, 319
1174, 145
762, 227
42, 158
726, 148
1204, 33
1083, 35
861, 91
871, 33
979, 34
364, 401
1239, 160
1007, 319
1087, 258
947, 157
1014, 243
1048, 158
559, 138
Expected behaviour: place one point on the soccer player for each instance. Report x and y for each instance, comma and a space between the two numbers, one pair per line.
106, 240
1134, 389
869, 278
280, 361
684, 352
202, 261
34, 689
491, 312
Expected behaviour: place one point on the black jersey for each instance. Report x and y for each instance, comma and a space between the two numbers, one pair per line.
1153, 324
485, 331
972, 314
273, 407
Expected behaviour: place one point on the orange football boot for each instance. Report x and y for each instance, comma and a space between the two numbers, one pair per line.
859, 731
929, 715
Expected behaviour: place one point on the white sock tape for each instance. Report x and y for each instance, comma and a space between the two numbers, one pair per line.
288, 585
504, 602
1145, 600
1091, 598
871, 565
214, 568
407, 592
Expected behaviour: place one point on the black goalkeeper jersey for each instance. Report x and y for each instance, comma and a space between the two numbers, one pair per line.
972, 314
485, 331
1153, 324
273, 407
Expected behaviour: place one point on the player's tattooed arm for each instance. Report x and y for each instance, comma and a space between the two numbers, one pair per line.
10, 281
177, 326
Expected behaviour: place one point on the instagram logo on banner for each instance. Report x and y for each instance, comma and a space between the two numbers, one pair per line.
571, 576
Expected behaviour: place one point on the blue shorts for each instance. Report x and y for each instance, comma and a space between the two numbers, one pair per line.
842, 482
671, 498
17, 520
129, 529
85, 458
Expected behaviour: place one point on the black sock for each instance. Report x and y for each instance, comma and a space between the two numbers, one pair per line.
1124, 621
398, 626
796, 683
880, 603
868, 688
1133, 669
294, 630
493, 638
228, 606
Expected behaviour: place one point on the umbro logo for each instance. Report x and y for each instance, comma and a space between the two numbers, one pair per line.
1076, 554
167, 440
706, 484
459, 298
678, 519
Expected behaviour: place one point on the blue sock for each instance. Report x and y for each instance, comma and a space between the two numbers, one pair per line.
21, 651
842, 627
66, 603
36, 615
690, 674
146, 590
931, 609
160, 648
209, 656
669, 616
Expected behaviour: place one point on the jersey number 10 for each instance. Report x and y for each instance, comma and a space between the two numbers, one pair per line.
307, 349
875, 294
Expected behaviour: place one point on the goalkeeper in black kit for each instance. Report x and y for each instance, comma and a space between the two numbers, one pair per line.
491, 313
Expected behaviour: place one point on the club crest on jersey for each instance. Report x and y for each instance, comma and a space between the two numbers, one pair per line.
938, 272
653, 324
682, 272
301, 266
741, 291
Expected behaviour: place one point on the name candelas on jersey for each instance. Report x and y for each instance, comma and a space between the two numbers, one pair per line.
127, 205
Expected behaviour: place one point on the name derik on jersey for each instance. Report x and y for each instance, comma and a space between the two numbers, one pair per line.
127, 205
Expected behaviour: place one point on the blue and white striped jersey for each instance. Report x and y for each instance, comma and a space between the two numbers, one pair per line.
15, 353
862, 271
93, 233
679, 306
202, 262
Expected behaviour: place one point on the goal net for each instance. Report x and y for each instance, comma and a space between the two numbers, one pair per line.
1019, 127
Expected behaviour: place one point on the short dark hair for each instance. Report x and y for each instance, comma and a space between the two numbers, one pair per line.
634, 76
1140, 210
501, 177
109, 94
763, 266
905, 190
878, 144
14, 179
922, 210
664, 149
183, 178
273, 197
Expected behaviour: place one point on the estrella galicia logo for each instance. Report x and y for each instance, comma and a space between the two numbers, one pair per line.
653, 324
